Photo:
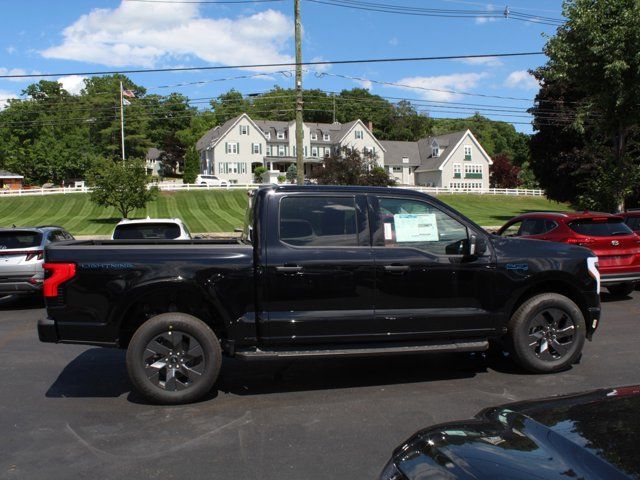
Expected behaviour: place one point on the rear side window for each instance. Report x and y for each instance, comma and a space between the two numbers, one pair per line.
318, 221
601, 228
633, 223
143, 231
18, 239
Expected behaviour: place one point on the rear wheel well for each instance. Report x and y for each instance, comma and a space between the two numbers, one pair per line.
164, 300
553, 286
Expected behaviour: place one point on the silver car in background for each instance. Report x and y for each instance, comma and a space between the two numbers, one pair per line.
21, 257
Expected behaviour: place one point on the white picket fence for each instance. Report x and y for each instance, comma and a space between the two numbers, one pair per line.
246, 186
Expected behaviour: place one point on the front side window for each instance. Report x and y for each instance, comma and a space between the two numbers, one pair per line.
415, 224
318, 221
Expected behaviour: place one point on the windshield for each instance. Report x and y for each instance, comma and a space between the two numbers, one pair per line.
610, 228
142, 231
11, 240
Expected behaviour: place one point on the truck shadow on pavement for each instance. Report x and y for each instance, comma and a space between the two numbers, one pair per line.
21, 302
99, 372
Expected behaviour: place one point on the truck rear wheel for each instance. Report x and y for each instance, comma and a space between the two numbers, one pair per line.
546, 333
174, 358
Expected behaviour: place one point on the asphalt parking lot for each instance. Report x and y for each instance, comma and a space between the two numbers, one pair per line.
68, 412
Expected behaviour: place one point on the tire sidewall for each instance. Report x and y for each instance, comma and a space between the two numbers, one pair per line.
176, 322
519, 332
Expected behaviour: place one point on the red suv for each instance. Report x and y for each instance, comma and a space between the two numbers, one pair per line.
607, 235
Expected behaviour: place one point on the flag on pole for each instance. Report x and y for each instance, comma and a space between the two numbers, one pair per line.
125, 102
128, 93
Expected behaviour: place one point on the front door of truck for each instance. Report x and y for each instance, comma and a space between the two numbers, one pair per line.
426, 286
319, 269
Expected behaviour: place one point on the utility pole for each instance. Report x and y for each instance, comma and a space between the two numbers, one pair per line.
299, 124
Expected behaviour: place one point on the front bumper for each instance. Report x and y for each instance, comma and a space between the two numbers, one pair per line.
47, 331
616, 278
20, 287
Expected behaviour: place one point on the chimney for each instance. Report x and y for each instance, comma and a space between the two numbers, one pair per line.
370, 126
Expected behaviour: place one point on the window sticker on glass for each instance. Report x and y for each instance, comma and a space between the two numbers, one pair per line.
416, 227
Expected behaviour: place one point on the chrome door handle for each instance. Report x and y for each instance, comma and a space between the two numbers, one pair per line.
289, 269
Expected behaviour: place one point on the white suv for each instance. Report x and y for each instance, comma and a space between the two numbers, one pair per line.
151, 229
211, 180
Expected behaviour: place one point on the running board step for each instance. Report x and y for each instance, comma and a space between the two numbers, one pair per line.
395, 349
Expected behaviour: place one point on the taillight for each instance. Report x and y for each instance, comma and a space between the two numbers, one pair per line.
35, 254
58, 273
580, 241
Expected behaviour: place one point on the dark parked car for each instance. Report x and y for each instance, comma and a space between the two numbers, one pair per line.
321, 271
615, 244
592, 436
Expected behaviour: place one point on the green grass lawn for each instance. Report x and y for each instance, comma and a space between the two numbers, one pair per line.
216, 211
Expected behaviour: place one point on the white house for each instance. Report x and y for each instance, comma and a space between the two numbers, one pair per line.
454, 160
233, 150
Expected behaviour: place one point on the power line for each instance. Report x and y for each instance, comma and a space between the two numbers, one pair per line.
274, 65
435, 12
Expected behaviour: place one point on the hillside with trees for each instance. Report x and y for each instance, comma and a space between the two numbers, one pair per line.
49, 135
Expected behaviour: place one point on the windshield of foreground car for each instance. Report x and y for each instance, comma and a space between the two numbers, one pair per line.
19, 239
610, 228
142, 231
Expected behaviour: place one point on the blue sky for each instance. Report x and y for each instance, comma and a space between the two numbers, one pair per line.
43, 36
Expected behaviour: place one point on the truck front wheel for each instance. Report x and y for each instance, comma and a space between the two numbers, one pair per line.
546, 333
174, 358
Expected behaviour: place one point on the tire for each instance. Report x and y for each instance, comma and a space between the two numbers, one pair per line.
174, 358
621, 289
546, 333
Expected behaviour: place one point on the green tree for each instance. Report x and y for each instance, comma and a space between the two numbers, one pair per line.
292, 173
191, 165
351, 168
595, 53
258, 173
122, 185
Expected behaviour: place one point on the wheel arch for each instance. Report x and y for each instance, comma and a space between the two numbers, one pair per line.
560, 283
153, 299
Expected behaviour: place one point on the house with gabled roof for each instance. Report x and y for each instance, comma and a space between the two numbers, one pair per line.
451, 160
233, 150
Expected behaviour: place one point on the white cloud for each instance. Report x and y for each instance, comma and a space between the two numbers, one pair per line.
13, 71
319, 68
135, 34
482, 20
72, 83
5, 96
489, 61
11, 49
440, 87
393, 42
521, 79
366, 84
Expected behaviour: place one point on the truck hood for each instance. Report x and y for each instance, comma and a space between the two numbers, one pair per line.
509, 246
592, 435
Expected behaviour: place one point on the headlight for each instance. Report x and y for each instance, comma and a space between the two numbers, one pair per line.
391, 472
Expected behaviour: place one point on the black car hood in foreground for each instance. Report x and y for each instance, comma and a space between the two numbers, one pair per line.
587, 436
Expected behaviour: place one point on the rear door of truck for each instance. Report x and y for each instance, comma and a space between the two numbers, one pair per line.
319, 272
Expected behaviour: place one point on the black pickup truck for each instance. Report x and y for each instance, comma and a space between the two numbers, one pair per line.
321, 271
